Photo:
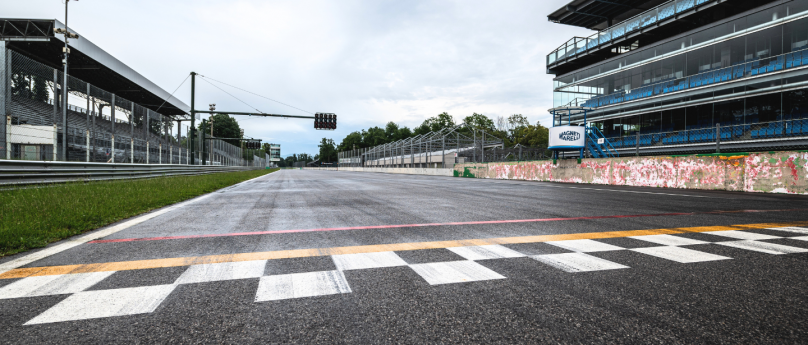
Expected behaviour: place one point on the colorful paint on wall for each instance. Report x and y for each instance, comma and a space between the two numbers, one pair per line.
773, 172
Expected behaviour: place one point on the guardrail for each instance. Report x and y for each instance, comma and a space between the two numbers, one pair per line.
14, 172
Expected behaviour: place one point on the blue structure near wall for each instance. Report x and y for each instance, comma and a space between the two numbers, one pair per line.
705, 75
574, 137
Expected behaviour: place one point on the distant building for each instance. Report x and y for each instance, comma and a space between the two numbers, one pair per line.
274, 152
687, 76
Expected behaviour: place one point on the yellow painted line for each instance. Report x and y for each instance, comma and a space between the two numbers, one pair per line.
300, 253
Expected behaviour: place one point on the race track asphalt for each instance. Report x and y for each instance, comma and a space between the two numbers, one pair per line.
301, 256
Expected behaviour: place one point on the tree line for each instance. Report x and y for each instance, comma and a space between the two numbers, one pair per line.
512, 130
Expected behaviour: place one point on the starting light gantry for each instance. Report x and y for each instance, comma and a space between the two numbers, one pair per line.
322, 121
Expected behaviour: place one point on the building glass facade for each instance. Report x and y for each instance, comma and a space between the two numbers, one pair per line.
748, 73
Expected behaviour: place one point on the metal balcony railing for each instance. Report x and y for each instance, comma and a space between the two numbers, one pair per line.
578, 45
718, 75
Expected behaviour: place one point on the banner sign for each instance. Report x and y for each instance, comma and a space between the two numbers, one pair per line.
567, 137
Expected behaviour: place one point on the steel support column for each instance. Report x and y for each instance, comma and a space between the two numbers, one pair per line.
112, 122
5, 99
87, 123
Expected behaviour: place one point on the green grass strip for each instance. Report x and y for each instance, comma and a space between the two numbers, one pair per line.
33, 217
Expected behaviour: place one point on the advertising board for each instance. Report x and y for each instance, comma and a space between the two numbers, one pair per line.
567, 137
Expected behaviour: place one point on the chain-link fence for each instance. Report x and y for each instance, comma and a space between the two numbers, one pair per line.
438, 149
96, 125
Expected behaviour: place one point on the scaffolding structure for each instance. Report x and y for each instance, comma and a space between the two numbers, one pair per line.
438, 149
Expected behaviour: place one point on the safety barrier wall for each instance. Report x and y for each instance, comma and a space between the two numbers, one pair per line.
16, 172
411, 171
772, 172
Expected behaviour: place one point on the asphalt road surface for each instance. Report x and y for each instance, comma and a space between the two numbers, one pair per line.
345, 257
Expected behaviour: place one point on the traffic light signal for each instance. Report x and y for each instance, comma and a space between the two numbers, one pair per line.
252, 145
325, 121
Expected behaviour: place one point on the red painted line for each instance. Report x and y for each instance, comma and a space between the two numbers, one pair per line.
423, 225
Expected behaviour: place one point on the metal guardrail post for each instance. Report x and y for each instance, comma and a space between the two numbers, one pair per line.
55, 141
147, 152
55, 99
112, 123
412, 154
87, 124
474, 152
718, 137
482, 147
8, 137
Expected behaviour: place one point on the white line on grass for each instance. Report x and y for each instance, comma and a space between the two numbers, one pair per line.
41, 254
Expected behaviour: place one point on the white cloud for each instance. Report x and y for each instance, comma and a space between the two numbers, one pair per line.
368, 61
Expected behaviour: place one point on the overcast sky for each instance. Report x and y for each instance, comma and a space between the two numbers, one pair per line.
369, 62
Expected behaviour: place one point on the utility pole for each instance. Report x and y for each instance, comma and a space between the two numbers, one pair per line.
66, 51
212, 107
192, 131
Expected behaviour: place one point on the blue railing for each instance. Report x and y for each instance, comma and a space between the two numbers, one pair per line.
714, 76
699, 134
578, 45
599, 150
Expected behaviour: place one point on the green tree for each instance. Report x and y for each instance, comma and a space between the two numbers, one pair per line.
374, 136
530, 135
480, 121
328, 151
391, 131
224, 126
404, 133
435, 123
354, 139
395, 133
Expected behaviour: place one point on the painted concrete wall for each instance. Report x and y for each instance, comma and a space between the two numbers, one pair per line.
774, 172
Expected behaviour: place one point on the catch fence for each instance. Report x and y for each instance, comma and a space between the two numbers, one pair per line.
439, 149
99, 126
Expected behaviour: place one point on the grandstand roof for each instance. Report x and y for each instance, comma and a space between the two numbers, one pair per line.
598, 14
35, 39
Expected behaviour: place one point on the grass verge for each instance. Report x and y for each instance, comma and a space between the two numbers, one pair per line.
33, 217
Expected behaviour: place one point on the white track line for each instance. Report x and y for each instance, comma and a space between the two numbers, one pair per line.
105, 303
52, 285
222, 271
585, 246
360, 261
298, 285
764, 247
668, 240
41, 254
437, 273
493, 251
742, 235
679, 254
794, 229
577, 262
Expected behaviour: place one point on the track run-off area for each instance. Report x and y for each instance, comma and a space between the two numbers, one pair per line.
337, 257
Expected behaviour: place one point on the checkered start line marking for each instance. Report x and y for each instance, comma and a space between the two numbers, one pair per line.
82, 304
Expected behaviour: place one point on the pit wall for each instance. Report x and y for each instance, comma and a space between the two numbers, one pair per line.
772, 172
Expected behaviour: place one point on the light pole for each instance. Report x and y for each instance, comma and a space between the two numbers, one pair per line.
212, 107
66, 51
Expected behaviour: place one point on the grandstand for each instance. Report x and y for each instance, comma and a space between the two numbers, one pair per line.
114, 114
687, 76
